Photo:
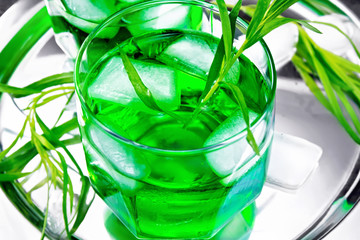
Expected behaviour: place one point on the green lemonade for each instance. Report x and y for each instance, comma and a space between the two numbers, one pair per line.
173, 194
74, 20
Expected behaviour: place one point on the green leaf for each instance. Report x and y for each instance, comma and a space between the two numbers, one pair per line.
310, 82
19, 136
17, 91
38, 185
343, 33
141, 90
53, 138
64, 108
220, 53
46, 213
255, 25
240, 100
306, 23
323, 70
83, 204
66, 180
17, 160
347, 65
349, 108
226, 28
51, 81
52, 98
24, 40
278, 7
9, 177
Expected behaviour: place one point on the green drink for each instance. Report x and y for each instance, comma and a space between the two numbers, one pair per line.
73, 20
167, 173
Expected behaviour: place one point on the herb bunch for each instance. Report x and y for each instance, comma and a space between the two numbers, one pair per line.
51, 148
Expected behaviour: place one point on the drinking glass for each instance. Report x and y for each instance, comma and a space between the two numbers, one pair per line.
167, 171
73, 20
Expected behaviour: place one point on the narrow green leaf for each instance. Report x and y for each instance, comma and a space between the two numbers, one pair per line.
53, 80
141, 90
83, 204
64, 108
52, 98
53, 138
9, 177
71, 141
343, 33
349, 108
252, 142
38, 185
226, 28
20, 44
65, 193
46, 214
38, 86
336, 109
344, 63
256, 20
249, 9
275, 23
240, 100
220, 53
310, 82
17, 91
19, 136
278, 7
45, 142
340, 74
307, 24
17, 160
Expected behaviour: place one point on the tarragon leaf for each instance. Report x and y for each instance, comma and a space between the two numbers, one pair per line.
240, 100
141, 90
14, 91
220, 52
332, 77
278, 7
257, 19
9, 177
53, 80
226, 28
83, 203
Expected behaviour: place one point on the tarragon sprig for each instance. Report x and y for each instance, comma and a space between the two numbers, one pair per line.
339, 78
46, 144
265, 19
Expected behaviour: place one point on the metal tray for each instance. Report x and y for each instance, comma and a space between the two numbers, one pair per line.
308, 213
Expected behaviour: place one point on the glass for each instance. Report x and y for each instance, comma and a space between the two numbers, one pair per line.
73, 20
161, 179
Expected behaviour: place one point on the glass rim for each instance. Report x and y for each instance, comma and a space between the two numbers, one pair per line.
210, 148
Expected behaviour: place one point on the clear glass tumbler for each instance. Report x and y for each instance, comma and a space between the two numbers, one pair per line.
164, 170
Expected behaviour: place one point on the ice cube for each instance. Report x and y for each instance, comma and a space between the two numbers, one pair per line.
113, 84
86, 15
292, 161
124, 158
162, 17
94, 11
195, 55
227, 159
